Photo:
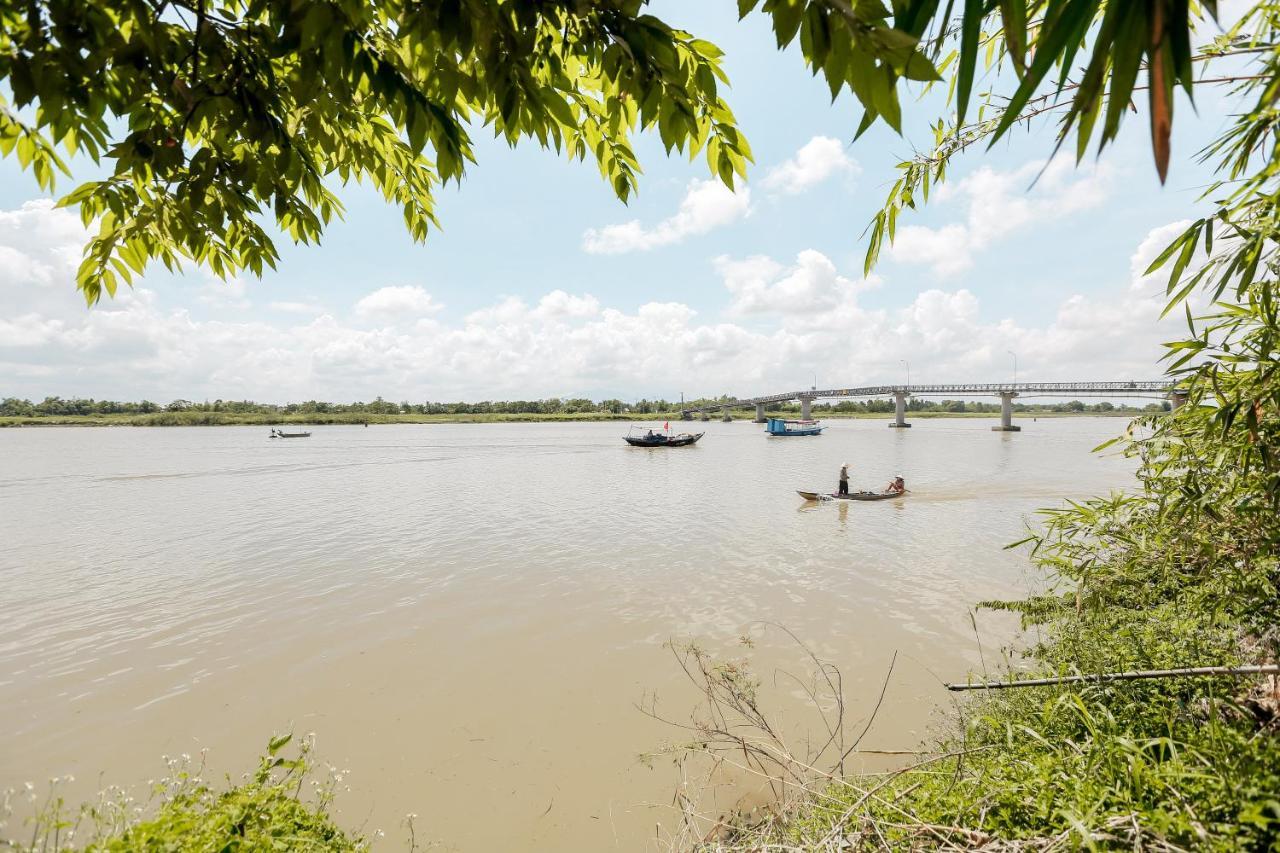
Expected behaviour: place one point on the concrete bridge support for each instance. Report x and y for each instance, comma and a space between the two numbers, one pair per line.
899, 411
706, 416
1177, 399
686, 416
760, 416
806, 413
728, 416
1006, 413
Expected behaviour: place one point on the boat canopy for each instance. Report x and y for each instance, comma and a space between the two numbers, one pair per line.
782, 426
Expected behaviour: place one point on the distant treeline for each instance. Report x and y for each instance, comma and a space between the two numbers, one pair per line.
57, 406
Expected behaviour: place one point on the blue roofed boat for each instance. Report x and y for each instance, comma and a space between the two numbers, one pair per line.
779, 426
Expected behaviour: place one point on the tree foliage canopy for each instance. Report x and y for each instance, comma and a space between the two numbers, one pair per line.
220, 115
217, 114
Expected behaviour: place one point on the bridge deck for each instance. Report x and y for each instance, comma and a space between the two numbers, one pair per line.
1131, 388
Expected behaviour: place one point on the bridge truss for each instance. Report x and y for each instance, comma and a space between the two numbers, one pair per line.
1131, 388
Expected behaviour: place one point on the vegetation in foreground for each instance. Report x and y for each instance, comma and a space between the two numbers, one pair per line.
279, 806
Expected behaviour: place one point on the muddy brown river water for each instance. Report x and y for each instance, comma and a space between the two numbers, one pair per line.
468, 615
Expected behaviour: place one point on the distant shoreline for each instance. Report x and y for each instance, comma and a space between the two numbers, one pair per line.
165, 419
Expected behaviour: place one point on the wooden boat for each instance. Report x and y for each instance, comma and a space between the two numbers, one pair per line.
779, 426
279, 433
653, 438
852, 496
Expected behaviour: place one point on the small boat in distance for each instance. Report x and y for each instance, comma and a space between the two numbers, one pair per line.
654, 438
852, 496
279, 433
779, 426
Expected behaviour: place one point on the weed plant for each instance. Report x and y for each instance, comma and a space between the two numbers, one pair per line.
282, 805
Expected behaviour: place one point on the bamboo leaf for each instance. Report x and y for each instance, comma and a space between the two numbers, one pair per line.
1160, 90
970, 29
1013, 17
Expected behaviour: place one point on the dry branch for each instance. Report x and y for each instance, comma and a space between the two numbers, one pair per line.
1260, 669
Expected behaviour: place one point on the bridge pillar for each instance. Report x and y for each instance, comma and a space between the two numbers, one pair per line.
1177, 399
760, 417
899, 411
1006, 413
706, 416
686, 416
727, 415
805, 412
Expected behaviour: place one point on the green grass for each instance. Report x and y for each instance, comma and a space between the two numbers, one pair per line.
1131, 765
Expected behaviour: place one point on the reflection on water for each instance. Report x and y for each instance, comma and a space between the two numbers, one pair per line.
466, 614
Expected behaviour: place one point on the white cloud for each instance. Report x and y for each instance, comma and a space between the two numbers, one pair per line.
819, 159
804, 316
217, 293
307, 308
29, 330
397, 304
999, 204
560, 305
707, 205
39, 244
759, 284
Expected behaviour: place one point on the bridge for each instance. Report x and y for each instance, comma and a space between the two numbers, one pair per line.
1006, 391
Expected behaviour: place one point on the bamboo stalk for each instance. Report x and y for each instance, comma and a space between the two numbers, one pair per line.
1253, 669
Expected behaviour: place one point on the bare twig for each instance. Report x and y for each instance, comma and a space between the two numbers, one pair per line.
1260, 669
884, 688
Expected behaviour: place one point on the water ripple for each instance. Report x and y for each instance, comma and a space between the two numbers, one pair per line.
411, 581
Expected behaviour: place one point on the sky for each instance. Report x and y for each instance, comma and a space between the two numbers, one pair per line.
541, 283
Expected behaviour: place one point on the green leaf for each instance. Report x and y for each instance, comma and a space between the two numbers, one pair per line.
1068, 25
787, 15
279, 741
1013, 17
970, 29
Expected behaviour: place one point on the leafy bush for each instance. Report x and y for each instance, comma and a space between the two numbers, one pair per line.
268, 811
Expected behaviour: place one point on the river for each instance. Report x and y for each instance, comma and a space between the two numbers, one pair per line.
467, 616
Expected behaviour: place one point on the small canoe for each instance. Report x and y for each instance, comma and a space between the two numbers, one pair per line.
852, 496
279, 434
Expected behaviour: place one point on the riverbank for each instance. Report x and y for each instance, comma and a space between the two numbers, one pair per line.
1142, 581
161, 419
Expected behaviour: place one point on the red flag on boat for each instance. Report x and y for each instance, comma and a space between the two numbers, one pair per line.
667, 425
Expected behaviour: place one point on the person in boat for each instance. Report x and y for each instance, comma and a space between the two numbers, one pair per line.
844, 479
896, 486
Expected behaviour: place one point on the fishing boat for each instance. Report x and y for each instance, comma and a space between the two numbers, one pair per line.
779, 426
279, 433
852, 496
655, 438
